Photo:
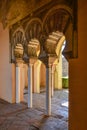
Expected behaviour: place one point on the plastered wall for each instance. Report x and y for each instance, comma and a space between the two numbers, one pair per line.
7, 70
78, 75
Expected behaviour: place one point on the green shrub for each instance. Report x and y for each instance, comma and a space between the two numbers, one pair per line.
65, 82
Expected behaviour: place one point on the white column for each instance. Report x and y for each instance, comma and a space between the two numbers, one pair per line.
48, 89
17, 84
30, 85
52, 87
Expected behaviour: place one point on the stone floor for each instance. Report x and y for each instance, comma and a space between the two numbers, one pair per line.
19, 117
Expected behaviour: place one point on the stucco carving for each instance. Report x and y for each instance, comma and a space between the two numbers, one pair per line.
56, 17
54, 43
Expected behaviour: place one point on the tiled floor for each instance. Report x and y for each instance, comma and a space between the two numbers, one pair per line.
19, 117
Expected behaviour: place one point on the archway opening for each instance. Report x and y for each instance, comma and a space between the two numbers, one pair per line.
61, 85
65, 83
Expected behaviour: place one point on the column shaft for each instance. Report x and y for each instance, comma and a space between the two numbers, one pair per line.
17, 84
48, 90
30, 86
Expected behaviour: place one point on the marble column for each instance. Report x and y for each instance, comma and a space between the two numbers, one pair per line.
48, 88
17, 83
30, 83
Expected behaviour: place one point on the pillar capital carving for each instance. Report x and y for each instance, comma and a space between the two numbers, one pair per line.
19, 62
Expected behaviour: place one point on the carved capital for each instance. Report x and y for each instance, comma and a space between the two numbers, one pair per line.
19, 63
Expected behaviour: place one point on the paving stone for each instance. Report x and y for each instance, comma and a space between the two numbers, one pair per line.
19, 117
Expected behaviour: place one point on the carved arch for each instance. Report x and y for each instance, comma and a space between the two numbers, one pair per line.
17, 37
57, 19
61, 18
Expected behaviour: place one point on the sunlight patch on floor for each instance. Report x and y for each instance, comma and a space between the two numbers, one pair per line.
65, 104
